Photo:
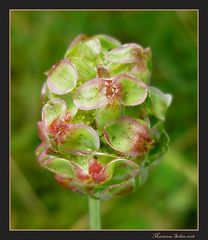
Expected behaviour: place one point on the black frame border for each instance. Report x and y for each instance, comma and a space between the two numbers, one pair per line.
5, 233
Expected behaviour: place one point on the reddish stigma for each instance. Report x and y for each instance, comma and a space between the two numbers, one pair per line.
142, 143
96, 171
113, 90
59, 127
81, 175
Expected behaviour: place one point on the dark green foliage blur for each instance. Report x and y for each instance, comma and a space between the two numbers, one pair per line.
168, 199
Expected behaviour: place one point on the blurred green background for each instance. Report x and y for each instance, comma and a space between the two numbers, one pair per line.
168, 199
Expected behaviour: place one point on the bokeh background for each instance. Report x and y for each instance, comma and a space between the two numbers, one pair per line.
168, 199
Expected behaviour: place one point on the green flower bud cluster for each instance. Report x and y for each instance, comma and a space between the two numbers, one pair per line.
102, 123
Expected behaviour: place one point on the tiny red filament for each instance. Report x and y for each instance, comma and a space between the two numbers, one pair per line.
142, 143
96, 171
81, 175
113, 90
67, 117
59, 127
95, 167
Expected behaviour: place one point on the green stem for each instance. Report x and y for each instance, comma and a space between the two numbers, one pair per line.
94, 213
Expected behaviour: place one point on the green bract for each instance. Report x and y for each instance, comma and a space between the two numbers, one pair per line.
102, 123
62, 78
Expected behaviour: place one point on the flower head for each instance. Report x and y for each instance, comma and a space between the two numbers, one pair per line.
102, 124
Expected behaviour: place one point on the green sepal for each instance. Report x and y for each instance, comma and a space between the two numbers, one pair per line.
79, 139
107, 43
88, 49
160, 148
117, 190
53, 109
86, 69
121, 169
107, 114
60, 166
116, 68
134, 91
128, 136
157, 103
62, 78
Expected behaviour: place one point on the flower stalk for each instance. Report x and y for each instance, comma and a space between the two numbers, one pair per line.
94, 213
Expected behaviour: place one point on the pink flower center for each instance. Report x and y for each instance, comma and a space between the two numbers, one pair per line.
113, 90
142, 143
96, 171
59, 127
